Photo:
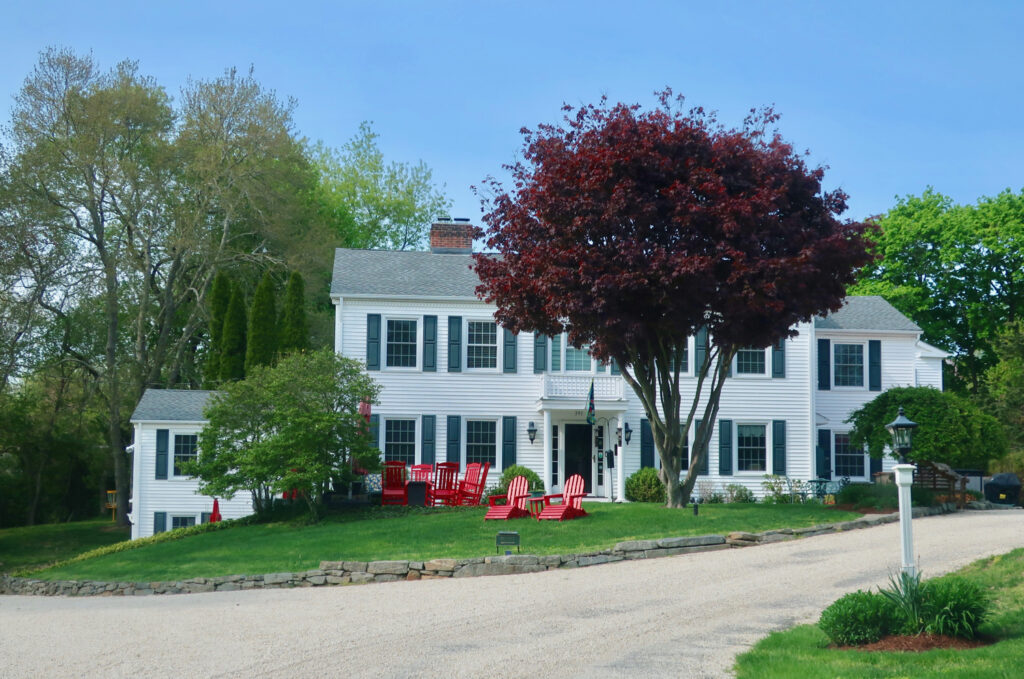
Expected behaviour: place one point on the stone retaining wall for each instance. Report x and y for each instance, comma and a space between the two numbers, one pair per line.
359, 572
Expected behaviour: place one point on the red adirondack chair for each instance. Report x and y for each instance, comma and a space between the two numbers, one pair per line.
514, 501
571, 504
471, 487
393, 484
425, 473
445, 488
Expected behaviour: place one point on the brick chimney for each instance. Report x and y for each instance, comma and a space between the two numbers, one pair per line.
454, 237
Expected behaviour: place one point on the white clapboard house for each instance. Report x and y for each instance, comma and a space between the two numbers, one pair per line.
457, 387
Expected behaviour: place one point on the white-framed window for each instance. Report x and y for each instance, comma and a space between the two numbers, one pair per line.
481, 345
576, 360
847, 460
401, 342
186, 449
400, 440
751, 448
751, 362
482, 441
183, 521
848, 365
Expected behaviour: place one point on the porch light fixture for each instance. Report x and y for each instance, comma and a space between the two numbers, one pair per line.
531, 431
902, 430
628, 432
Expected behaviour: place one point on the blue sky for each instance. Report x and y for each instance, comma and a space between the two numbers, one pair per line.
892, 96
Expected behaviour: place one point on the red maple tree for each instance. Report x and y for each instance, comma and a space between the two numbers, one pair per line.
632, 230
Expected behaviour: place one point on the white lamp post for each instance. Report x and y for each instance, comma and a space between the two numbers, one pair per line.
902, 430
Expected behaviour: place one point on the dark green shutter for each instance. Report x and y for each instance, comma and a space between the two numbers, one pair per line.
824, 365
454, 344
162, 437
700, 353
725, 447
614, 369
511, 355
373, 341
159, 522
427, 447
825, 453
375, 432
646, 444
874, 365
876, 467
430, 344
705, 464
204, 517
779, 359
779, 447
600, 366
508, 442
540, 353
453, 452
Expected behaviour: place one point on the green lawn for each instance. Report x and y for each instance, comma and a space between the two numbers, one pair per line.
803, 651
36, 546
418, 534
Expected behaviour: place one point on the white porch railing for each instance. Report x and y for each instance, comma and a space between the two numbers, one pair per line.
606, 388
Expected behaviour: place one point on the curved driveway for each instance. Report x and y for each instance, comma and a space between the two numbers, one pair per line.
677, 616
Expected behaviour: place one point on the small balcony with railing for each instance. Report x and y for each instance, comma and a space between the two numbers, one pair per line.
574, 389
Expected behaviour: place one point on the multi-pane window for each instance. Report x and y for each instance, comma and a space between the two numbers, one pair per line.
686, 450
750, 362
751, 448
400, 441
482, 345
554, 455
401, 351
556, 353
577, 359
182, 521
482, 441
849, 460
186, 449
849, 365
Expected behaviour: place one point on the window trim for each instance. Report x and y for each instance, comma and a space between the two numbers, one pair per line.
172, 517
172, 454
417, 350
835, 472
498, 357
416, 452
767, 373
863, 366
768, 447
563, 346
464, 453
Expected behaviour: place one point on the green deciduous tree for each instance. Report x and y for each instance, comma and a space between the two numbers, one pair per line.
951, 429
956, 270
294, 334
233, 340
373, 204
261, 340
292, 426
1004, 387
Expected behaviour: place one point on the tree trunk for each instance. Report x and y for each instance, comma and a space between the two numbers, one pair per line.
114, 436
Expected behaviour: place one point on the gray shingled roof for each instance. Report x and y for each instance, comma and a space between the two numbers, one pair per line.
388, 273
866, 313
171, 405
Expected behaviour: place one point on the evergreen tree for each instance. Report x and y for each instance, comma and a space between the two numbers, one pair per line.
262, 340
294, 331
232, 338
220, 297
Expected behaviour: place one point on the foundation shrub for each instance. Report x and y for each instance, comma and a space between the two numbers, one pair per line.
645, 486
535, 484
734, 492
858, 618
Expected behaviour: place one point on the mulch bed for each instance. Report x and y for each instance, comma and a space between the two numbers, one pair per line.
921, 642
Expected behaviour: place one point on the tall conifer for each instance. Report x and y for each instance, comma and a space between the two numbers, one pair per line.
232, 357
220, 297
262, 340
294, 331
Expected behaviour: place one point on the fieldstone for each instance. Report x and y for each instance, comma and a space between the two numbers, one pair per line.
775, 537
354, 566
413, 575
227, 587
592, 560
636, 546
415, 565
550, 560
514, 559
316, 580
360, 578
337, 579
742, 536
440, 565
385, 577
314, 573
276, 578
332, 565
695, 541
388, 567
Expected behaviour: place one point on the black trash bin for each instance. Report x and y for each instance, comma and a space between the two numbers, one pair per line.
1003, 489
416, 492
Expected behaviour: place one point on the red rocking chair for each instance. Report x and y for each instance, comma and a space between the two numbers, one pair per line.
446, 487
571, 505
393, 484
515, 501
471, 487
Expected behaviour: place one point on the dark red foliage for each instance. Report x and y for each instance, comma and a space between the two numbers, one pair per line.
633, 228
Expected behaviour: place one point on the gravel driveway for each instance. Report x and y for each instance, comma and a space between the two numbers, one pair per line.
685, 616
